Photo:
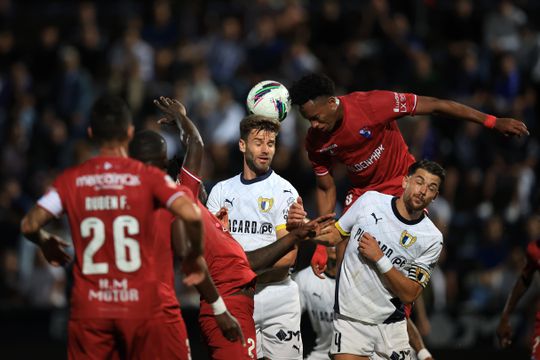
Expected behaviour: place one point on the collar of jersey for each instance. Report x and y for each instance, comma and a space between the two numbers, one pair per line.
401, 218
257, 179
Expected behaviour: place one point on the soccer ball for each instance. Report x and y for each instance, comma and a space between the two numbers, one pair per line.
269, 98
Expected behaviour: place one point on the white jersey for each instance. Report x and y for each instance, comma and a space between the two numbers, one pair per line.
317, 298
413, 247
257, 208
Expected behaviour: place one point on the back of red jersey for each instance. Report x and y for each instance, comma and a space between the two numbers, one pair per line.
368, 141
227, 262
110, 203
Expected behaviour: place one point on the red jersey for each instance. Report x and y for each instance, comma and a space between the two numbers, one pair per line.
164, 263
227, 262
110, 203
367, 141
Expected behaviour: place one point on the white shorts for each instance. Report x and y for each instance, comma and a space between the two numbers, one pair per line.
277, 321
377, 341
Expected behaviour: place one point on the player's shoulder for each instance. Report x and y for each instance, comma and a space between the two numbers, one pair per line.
432, 229
374, 197
227, 183
279, 181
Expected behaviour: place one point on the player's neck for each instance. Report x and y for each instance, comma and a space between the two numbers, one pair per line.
406, 213
114, 149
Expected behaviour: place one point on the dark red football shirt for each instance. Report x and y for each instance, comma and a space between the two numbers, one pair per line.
368, 141
110, 203
227, 262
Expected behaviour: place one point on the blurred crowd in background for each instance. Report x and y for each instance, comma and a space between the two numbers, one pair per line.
56, 57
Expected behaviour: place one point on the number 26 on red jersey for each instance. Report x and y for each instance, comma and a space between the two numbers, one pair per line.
123, 226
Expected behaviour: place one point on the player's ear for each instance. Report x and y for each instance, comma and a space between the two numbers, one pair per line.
404, 182
89, 132
242, 145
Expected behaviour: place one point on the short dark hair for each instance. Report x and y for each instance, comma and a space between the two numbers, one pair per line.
259, 123
110, 119
310, 87
148, 146
430, 166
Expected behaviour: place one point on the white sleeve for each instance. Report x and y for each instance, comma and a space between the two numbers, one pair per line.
51, 202
420, 270
213, 203
350, 218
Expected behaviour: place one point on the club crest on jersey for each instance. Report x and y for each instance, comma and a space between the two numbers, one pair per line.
265, 204
365, 132
407, 239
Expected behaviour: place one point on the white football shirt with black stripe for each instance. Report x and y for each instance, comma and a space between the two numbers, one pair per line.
257, 208
413, 247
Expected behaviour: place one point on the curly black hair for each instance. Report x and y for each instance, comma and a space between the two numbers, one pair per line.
310, 87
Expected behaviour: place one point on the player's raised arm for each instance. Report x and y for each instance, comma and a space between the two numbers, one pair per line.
506, 126
175, 113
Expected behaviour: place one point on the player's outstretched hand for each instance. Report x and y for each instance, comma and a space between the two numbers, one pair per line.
504, 332
194, 268
511, 127
315, 227
171, 109
223, 217
296, 215
369, 248
230, 328
54, 250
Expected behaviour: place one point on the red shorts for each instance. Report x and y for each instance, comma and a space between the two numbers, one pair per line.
127, 339
241, 307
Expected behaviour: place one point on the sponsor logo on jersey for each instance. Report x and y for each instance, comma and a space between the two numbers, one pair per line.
329, 149
407, 240
362, 165
113, 291
400, 103
108, 181
365, 132
250, 227
265, 204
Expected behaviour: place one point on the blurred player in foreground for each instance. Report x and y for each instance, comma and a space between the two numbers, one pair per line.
395, 248
317, 298
150, 148
523, 282
118, 305
230, 267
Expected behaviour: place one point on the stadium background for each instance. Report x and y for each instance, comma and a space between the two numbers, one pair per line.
57, 56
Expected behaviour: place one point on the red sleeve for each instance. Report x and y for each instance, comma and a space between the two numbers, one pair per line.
320, 160
386, 106
190, 180
163, 187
